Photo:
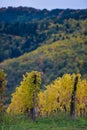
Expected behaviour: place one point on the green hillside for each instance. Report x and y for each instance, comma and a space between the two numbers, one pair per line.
53, 42
64, 56
25, 29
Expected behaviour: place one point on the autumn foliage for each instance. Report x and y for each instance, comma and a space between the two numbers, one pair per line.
22, 98
55, 97
2, 89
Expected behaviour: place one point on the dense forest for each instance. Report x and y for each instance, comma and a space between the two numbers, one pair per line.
50, 41
25, 29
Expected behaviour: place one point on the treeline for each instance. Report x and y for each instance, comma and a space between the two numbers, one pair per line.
24, 14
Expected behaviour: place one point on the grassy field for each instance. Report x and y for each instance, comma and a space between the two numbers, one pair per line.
54, 122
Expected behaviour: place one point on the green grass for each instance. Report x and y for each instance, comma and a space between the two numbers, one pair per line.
53, 122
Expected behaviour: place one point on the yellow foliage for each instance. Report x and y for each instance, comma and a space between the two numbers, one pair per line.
22, 98
57, 96
3, 83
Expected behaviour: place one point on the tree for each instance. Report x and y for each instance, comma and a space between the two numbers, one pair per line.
2, 89
24, 99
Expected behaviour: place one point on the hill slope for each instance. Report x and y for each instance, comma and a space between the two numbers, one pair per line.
53, 42
25, 29
66, 56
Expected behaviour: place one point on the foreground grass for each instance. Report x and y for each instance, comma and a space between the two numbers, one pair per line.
53, 122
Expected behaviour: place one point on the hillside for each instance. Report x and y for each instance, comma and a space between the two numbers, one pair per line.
53, 42
25, 29
66, 56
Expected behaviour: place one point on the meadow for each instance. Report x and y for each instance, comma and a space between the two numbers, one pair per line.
56, 121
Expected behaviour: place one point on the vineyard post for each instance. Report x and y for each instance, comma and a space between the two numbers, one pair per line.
34, 100
73, 99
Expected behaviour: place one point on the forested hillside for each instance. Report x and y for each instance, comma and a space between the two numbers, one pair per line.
68, 56
53, 42
25, 29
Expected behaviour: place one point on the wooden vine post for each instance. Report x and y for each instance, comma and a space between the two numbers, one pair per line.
73, 99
